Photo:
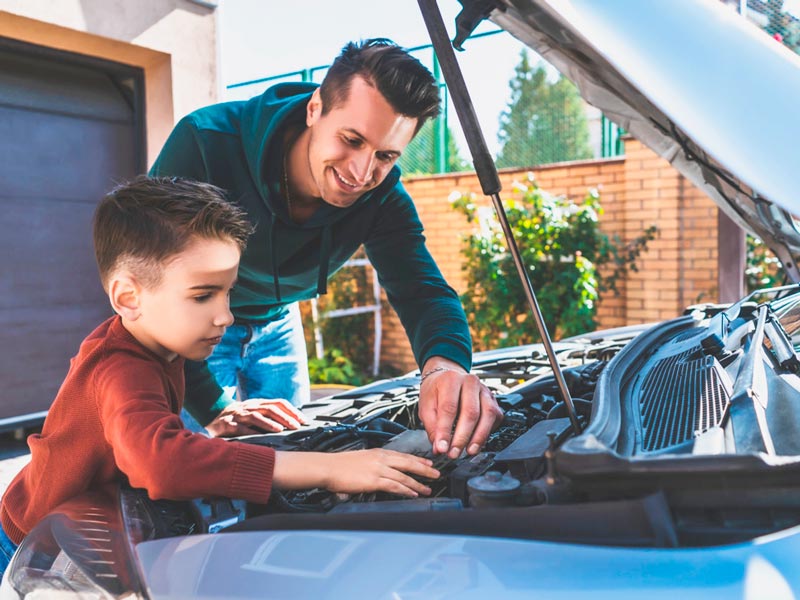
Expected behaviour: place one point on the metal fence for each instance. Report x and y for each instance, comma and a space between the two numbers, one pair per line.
439, 147
778, 18
548, 137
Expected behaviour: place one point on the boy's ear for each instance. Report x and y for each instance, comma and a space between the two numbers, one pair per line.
124, 294
313, 108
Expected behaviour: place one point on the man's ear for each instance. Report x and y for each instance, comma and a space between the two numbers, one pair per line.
314, 108
124, 292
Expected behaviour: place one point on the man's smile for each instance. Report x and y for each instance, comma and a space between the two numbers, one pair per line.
346, 183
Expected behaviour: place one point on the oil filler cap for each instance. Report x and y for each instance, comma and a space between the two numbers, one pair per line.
492, 489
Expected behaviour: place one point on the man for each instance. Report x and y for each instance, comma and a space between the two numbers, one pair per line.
314, 168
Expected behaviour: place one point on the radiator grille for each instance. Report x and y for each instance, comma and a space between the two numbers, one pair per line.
680, 396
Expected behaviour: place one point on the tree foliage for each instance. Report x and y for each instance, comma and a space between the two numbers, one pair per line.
544, 122
762, 267
569, 260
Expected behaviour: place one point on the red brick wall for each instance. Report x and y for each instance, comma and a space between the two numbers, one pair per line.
637, 190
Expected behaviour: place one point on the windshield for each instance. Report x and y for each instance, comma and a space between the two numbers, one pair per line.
787, 311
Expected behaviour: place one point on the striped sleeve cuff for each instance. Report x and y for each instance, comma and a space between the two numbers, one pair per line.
252, 473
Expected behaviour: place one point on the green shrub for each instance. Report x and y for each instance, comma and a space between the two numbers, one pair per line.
334, 367
570, 262
349, 287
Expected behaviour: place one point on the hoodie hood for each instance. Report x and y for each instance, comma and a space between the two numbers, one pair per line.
695, 82
263, 117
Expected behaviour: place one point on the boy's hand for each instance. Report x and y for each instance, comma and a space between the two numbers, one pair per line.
380, 471
354, 472
256, 415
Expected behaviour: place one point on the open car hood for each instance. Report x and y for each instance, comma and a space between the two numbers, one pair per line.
692, 80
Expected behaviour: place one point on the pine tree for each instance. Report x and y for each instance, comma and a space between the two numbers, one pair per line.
544, 122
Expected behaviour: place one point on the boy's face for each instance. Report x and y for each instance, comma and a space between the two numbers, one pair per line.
354, 146
188, 311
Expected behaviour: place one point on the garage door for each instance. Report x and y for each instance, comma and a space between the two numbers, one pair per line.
69, 129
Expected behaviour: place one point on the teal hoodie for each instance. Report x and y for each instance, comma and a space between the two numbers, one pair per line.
237, 146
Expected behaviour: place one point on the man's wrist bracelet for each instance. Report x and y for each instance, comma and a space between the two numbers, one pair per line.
430, 372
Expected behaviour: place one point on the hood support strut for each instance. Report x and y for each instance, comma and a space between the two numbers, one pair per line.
488, 177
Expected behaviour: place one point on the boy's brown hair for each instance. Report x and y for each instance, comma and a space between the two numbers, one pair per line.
141, 224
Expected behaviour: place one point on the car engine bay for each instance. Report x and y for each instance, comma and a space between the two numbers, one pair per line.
689, 424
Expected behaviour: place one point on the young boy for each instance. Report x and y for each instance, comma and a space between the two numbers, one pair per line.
168, 252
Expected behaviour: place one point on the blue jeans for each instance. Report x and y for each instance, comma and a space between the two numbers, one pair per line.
264, 360
7, 549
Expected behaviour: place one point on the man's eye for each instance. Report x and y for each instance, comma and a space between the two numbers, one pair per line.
202, 298
355, 142
384, 157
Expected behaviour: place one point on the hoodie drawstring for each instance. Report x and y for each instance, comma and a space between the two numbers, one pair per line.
272, 246
324, 255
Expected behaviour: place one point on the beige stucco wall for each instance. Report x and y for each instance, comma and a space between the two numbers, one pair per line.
173, 41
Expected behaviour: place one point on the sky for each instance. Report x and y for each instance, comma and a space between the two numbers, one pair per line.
260, 38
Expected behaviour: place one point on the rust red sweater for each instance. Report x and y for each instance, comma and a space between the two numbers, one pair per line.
117, 414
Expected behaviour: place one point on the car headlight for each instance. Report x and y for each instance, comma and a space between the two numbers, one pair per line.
80, 550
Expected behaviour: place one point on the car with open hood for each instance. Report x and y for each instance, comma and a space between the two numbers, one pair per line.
680, 471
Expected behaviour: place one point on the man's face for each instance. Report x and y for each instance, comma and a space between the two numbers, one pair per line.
188, 311
354, 146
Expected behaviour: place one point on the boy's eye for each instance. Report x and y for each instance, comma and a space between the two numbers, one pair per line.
355, 142
385, 157
202, 298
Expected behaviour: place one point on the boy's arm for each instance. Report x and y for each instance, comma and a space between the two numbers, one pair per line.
221, 416
154, 450
157, 454
354, 472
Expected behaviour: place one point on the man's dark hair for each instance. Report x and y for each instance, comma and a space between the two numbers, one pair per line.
141, 224
406, 84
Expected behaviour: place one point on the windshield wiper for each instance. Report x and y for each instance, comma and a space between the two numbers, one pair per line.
747, 409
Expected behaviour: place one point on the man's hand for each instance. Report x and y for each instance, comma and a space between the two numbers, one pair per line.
449, 396
353, 472
256, 415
